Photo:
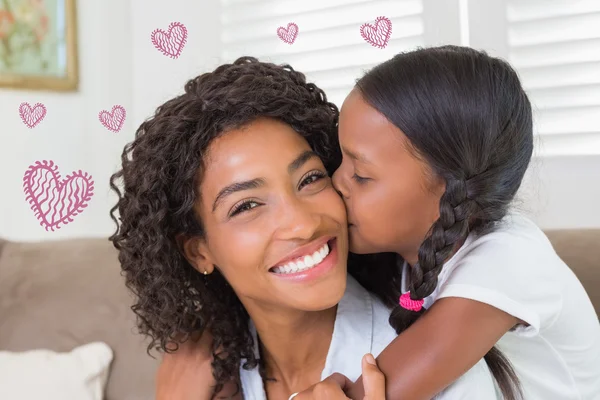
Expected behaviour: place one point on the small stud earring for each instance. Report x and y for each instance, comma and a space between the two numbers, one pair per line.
205, 272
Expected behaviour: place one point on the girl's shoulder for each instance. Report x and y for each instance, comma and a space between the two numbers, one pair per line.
516, 242
516, 230
513, 268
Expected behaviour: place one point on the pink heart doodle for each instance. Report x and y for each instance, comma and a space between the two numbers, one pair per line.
378, 35
53, 201
170, 43
32, 116
288, 35
113, 120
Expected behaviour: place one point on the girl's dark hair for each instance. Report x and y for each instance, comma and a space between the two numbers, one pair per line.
161, 173
466, 114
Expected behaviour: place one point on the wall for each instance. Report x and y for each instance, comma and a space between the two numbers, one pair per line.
157, 78
563, 191
71, 134
118, 65
562, 186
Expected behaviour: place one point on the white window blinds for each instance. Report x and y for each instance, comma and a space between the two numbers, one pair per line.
329, 48
555, 46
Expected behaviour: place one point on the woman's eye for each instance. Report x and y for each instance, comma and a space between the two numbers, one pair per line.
359, 179
312, 178
243, 207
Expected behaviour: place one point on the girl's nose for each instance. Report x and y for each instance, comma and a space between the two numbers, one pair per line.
338, 184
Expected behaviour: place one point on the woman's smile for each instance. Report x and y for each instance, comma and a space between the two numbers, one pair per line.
311, 265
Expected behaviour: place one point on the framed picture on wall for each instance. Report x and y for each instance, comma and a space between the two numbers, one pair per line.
38, 45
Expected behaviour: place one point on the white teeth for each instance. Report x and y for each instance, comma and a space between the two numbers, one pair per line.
317, 257
324, 251
304, 263
295, 267
308, 261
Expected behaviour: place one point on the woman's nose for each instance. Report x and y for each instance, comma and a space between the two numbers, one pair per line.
299, 221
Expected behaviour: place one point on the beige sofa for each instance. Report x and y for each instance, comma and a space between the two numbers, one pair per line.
61, 294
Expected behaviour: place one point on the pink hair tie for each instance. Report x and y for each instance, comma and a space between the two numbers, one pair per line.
409, 304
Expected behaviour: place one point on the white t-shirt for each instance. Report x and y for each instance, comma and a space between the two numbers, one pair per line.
361, 326
515, 269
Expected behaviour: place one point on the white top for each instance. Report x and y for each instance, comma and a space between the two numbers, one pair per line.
361, 327
515, 269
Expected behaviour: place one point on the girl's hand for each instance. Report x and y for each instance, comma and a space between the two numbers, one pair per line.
336, 386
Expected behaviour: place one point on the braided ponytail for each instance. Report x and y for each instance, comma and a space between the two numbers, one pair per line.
467, 116
450, 230
446, 234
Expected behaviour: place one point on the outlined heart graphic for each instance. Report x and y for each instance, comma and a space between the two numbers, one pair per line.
55, 201
288, 35
32, 116
114, 119
378, 35
170, 43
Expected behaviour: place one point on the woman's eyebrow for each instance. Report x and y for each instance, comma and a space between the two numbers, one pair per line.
237, 187
301, 160
258, 182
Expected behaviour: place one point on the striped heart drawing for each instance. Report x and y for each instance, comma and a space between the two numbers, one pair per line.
378, 35
55, 201
32, 116
170, 43
288, 35
114, 119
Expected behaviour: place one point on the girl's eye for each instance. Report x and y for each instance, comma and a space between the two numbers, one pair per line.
359, 179
312, 177
243, 207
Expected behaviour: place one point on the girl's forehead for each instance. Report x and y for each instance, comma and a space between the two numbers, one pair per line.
366, 135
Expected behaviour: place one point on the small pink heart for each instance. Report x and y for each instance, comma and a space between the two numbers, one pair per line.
113, 120
53, 201
288, 35
378, 35
32, 116
170, 43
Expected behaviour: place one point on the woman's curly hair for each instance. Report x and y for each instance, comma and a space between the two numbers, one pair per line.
161, 174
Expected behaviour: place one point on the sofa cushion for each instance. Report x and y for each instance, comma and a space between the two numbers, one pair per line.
80, 374
58, 295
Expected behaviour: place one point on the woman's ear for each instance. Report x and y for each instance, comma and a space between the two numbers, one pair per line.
196, 252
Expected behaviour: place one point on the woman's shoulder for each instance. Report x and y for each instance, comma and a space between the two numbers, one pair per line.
364, 315
383, 333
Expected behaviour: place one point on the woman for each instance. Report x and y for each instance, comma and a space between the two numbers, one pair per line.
229, 223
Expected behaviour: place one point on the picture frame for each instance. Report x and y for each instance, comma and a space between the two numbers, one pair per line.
38, 45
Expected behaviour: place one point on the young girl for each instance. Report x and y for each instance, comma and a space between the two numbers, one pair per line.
435, 144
